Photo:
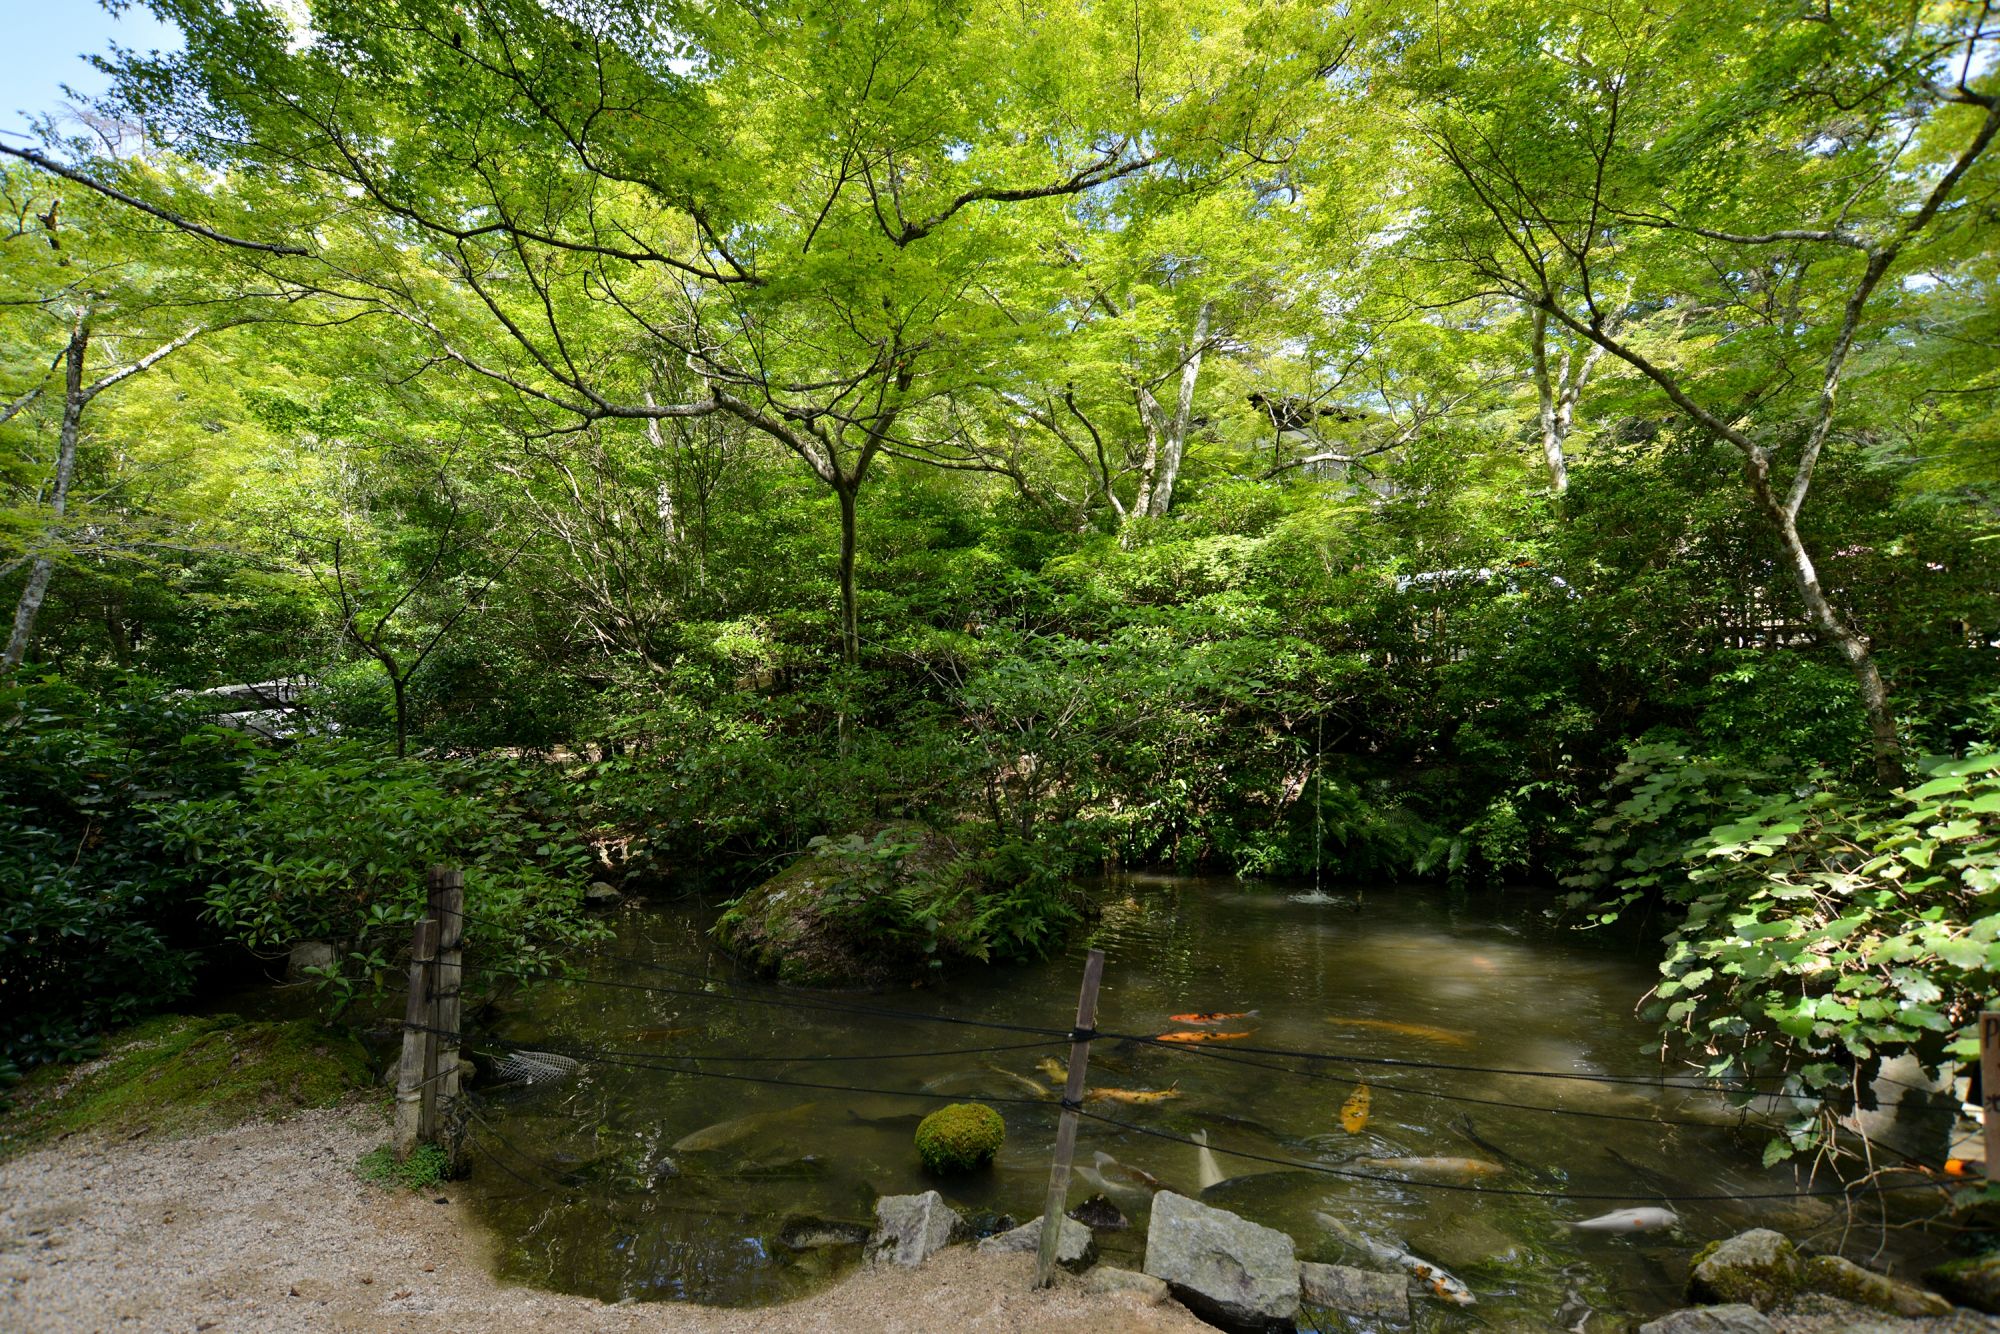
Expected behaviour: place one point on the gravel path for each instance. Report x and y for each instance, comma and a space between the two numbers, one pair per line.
265, 1228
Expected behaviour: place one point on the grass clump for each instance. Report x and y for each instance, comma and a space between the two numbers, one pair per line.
181, 1075
425, 1169
962, 1137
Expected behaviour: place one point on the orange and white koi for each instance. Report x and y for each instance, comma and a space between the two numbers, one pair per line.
1442, 1285
1197, 1036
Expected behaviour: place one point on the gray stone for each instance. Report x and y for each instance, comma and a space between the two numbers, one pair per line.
1073, 1242
1361, 1293
909, 1229
1105, 1280
1233, 1272
1734, 1319
1759, 1267
602, 895
307, 954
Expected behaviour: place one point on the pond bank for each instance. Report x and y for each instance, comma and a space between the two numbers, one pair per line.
265, 1227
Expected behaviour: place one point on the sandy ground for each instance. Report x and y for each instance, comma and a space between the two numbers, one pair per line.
265, 1228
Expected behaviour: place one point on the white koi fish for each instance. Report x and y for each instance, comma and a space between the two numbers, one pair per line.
1630, 1220
1206, 1168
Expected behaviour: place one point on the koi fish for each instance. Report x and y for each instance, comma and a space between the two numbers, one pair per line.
1442, 1285
1354, 1112
1215, 1017
1434, 1167
1119, 1181
1206, 1168
1202, 1037
1132, 1097
1424, 1032
1963, 1167
1630, 1220
1022, 1082
1053, 1068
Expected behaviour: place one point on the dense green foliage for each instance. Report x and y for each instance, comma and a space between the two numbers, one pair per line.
1511, 443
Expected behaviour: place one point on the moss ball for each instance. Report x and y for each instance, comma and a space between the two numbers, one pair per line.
960, 1138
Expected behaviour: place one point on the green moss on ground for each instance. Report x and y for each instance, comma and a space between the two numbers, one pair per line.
181, 1075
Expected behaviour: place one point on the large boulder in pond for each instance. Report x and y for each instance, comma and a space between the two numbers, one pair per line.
828, 919
1230, 1271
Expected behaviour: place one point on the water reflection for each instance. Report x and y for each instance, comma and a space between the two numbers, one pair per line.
634, 1182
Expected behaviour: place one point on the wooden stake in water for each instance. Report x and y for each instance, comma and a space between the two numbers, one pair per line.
1079, 1062
447, 897
413, 1093
1989, 1088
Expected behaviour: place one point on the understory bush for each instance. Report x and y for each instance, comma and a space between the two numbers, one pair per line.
97, 918
1819, 927
330, 840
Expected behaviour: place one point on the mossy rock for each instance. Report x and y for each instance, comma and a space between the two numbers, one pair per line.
845, 913
960, 1138
1842, 1278
1974, 1281
181, 1075
1759, 1267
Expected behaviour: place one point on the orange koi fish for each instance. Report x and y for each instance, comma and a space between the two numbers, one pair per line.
1215, 1017
1421, 1031
1202, 1037
1354, 1112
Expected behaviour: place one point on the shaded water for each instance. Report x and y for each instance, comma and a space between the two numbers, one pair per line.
622, 1184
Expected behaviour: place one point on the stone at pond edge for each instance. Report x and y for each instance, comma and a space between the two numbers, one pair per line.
1734, 1319
1073, 1243
1106, 1280
1973, 1282
1227, 1269
1758, 1267
912, 1228
811, 1234
1100, 1215
1839, 1277
602, 895
1361, 1293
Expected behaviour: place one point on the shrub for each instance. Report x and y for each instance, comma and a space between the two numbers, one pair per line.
425, 1168
95, 917
962, 1137
331, 840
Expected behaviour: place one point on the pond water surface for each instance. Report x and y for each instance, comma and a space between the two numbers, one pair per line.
634, 1181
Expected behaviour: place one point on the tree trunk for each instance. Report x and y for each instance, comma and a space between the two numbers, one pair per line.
1183, 419
402, 689
44, 568
850, 621
1545, 392
1833, 628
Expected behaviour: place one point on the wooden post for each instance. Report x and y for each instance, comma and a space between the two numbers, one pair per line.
1079, 1062
415, 1097
1989, 1088
447, 899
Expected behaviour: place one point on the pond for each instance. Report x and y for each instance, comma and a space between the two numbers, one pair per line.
634, 1179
